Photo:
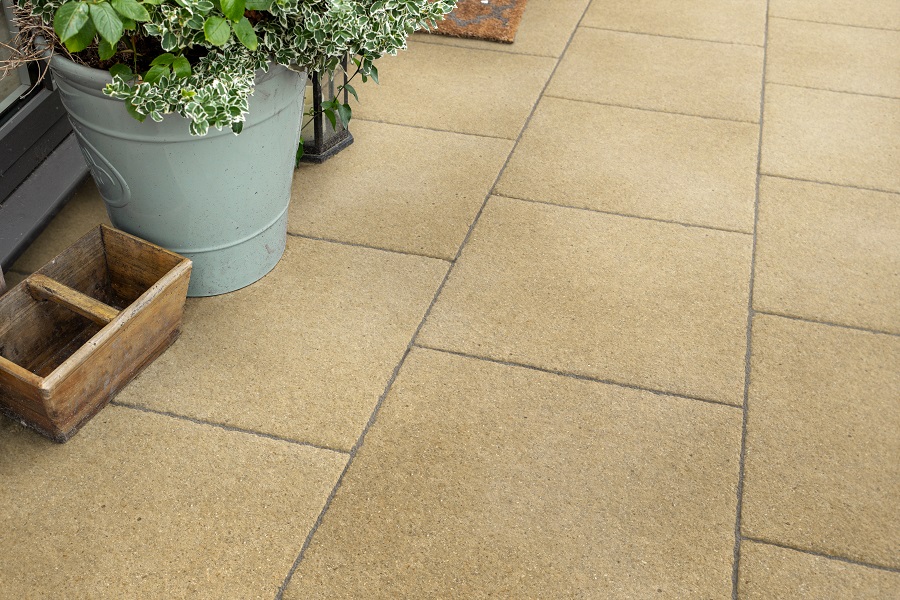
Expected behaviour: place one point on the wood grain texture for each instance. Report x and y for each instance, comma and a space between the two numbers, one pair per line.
42, 287
77, 331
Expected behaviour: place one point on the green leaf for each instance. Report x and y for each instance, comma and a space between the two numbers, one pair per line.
134, 113
258, 4
70, 18
345, 113
163, 59
107, 22
153, 2
131, 9
217, 31
106, 50
82, 39
329, 114
182, 67
237, 127
128, 24
373, 73
155, 73
244, 32
233, 9
122, 70
350, 89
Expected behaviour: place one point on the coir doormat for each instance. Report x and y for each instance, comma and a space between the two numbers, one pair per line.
493, 20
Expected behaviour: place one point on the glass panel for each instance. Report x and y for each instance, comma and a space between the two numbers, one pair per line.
18, 82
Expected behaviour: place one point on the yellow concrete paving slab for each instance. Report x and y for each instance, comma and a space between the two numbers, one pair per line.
84, 211
772, 572
821, 468
834, 57
828, 253
12, 278
739, 21
658, 73
639, 302
544, 30
637, 162
401, 188
456, 89
145, 506
481, 480
304, 353
832, 137
883, 14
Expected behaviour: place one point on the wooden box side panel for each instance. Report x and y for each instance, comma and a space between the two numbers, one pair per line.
109, 366
22, 401
135, 265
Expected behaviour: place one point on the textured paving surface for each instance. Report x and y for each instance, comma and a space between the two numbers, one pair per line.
610, 312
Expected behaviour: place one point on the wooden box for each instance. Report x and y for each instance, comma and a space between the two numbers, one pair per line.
77, 331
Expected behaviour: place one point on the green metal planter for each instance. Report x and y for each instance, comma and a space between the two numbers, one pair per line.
220, 199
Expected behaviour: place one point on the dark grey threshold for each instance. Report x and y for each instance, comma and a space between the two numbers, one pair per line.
25, 213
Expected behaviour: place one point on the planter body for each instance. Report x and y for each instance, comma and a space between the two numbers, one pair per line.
220, 199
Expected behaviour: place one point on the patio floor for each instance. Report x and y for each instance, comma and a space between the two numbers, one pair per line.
611, 312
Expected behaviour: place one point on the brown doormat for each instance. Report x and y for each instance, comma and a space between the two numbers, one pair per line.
493, 20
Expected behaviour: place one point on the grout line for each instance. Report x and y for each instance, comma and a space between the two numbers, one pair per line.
742, 459
842, 559
674, 37
653, 110
231, 428
835, 24
822, 89
831, 183
623, 215
367, 247
279, 595
419, 40
483, 135
570, 375
825, 323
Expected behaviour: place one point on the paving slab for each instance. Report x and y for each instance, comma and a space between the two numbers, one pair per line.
658, 73
639, 302
474, 91
828, 253
304, 353
821, 469
84, 211
884, 14
741, 22
773, 572
637, 162
834, 57
401, 188
832, 137
140, 505
480, 480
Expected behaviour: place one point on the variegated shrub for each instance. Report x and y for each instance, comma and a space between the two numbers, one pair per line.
198, 58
